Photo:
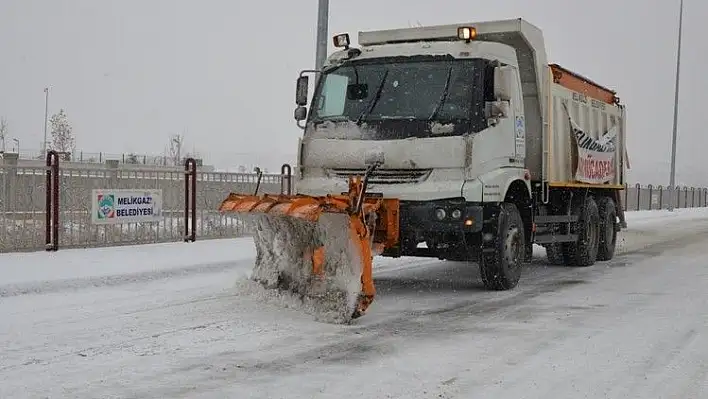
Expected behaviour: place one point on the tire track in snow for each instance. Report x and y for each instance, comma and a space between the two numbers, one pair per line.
366, 342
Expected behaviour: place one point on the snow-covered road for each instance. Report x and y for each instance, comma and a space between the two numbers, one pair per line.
167, 321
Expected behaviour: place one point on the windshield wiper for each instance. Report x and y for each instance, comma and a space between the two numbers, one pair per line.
372, 104
443, 97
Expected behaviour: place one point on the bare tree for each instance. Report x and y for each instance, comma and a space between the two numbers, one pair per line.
62, 137
3, 133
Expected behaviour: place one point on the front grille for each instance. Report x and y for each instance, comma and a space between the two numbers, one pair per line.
384, 176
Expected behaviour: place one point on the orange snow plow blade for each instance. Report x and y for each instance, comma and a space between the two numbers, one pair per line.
319, 248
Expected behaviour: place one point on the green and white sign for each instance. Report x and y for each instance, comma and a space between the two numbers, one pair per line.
125, 206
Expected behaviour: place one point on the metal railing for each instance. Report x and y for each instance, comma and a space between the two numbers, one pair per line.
50, 207
638, 198
102, 157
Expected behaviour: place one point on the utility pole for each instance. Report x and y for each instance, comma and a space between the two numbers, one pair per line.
322, 28
672, 175
3, 134
46, 116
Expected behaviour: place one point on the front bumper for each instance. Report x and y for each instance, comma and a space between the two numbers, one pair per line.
423, 217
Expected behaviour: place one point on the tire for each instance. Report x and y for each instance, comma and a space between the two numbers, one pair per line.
584, 251
529, 251
554, 253
608, 234
501, 261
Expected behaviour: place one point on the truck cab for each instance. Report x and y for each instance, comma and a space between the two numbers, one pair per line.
454, 118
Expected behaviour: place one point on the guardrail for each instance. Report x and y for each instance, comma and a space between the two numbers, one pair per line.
188, 203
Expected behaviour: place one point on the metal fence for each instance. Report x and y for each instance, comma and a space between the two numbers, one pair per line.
30, 220
638, 198
102, 157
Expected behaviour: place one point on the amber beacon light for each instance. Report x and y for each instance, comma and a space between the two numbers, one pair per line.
466, 33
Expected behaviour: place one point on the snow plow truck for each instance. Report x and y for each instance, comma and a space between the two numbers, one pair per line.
459, 142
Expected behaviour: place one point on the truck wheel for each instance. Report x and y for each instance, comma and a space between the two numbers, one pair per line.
608, 234
501, 260
529, 251
555, 255
584, 251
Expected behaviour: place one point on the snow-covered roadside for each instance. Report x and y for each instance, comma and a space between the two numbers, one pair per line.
22, 267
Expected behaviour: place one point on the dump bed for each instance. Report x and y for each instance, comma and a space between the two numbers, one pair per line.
585, 142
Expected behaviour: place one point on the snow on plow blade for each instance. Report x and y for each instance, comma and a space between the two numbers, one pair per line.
319, 248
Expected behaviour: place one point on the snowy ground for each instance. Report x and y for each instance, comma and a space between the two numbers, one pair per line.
166, 321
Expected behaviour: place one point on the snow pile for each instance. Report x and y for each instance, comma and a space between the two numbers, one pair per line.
283, 266
344, 129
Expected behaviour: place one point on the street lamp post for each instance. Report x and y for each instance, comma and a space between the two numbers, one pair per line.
46, 116
322, 27
672, 175
17, 141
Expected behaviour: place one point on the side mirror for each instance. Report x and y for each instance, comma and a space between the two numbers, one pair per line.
504, 76
301, 90
300, 113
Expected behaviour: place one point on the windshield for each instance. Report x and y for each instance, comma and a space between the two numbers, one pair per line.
422, 93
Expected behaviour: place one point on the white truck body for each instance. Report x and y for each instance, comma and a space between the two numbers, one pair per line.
441, 167
469, 127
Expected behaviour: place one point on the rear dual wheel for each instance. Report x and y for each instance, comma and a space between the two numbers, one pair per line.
556, 253
583, 252
608, 230
597, 235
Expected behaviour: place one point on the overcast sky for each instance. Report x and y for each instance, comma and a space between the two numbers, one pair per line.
130, 73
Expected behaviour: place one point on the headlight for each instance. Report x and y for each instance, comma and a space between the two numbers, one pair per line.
456, 214
440, 214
